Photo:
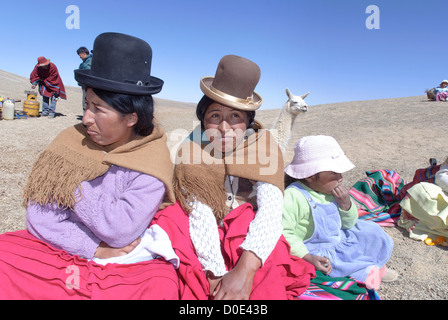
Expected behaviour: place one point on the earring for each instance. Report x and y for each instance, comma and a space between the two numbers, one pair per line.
249, 132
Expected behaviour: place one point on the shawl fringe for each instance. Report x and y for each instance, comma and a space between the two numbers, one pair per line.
190, 186
52, 183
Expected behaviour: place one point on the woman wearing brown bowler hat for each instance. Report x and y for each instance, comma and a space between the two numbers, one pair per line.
93, 192
228, 181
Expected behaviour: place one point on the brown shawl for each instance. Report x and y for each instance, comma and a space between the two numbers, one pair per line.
199, 175
73, 157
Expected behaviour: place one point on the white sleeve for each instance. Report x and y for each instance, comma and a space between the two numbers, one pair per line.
205, 237
266, 228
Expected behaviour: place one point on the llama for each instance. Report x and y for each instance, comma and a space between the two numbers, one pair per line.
283, 125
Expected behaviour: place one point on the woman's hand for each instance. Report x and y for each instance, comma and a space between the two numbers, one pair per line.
237, 283
342, 197
104, 251
214, 284
321, 264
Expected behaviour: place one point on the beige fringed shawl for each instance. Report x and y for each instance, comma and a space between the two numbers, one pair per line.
199, 175
73, 157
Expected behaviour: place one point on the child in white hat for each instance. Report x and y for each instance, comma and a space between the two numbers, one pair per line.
320, 221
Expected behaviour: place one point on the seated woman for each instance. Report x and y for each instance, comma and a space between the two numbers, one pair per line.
227, 224
93, 192
441, 92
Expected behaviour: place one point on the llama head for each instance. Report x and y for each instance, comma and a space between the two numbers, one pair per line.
296, 104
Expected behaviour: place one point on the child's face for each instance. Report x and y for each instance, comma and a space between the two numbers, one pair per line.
324, 182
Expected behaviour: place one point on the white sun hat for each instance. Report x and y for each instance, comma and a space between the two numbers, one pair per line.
314, 154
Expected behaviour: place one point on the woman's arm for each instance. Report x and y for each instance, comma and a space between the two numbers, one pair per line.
119, 206
264, 232
115, 209
205, 237
266, 228
57, 227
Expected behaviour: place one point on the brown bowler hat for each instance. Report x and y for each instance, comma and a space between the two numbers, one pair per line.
234, 83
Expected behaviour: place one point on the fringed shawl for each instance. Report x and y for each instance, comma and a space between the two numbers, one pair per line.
199, 175
73, 158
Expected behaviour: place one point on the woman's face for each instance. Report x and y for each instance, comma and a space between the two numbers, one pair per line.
443, 85
105, 125
225, 127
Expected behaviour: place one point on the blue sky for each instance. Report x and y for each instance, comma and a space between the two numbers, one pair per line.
318, 46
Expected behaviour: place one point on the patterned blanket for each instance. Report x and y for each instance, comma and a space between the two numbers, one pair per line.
378, 195
343, 288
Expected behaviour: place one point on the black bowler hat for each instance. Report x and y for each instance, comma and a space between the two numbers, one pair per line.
122, 64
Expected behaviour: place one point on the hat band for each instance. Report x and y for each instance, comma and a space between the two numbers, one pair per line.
248, 100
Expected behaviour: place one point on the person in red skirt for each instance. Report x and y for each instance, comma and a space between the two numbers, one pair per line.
93, 192
226, 226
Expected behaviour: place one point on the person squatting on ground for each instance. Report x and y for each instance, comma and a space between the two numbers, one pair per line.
46, 75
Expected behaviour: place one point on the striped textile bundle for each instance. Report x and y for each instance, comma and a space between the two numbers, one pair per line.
377, 196
324, 287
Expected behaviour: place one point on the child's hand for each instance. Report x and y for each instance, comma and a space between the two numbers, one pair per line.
342, 197
321, 264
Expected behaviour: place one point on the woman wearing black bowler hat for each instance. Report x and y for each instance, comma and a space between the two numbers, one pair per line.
93, 192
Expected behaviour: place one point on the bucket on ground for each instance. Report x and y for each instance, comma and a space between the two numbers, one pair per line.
31, 108
30, 105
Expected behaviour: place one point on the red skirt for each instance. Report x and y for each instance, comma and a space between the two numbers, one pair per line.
282, 276
32, 269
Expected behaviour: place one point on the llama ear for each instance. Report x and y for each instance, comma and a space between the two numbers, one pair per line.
305, 95
288, 93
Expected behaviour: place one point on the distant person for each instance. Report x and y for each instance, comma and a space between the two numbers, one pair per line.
320, 221
51, 87
86, 58
441, 92
86, 63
